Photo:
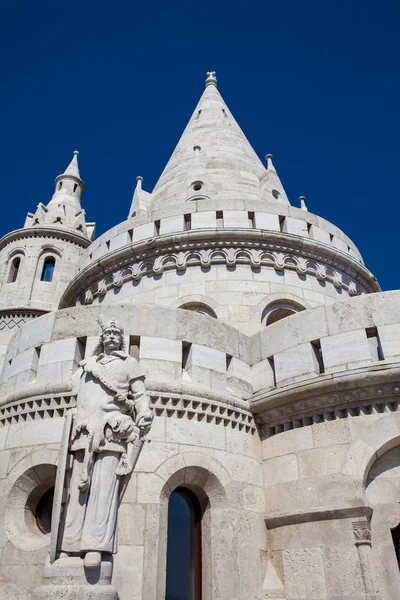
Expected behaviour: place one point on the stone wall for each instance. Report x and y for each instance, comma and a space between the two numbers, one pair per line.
33, 246
290, 507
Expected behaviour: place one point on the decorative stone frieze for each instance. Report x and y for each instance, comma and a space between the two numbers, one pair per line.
171, 405
14, 320
228, 247
355, 400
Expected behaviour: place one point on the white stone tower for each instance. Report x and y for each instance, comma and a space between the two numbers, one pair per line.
272, 364
38, 261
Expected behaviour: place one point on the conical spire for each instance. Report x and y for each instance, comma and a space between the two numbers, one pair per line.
71, 174
226, 165
141, 199
73, 168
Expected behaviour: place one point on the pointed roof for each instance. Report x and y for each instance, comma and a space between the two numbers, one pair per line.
271, 186
72, 170
73, 167
214, 152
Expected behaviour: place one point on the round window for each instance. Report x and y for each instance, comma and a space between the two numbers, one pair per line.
197, 185
43, 512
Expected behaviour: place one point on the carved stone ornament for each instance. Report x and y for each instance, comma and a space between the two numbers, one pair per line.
180, 260
362, 532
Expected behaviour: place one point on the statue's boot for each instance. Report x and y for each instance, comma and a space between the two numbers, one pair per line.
92, 560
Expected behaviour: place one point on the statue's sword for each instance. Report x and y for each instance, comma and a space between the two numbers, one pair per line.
137, 448
59, 491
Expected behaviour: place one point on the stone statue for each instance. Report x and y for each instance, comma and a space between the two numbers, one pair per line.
112, 417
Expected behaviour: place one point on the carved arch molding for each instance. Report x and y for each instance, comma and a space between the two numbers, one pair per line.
256, 256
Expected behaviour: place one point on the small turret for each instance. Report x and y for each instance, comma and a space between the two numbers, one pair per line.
271, 186
38, 261
64, 208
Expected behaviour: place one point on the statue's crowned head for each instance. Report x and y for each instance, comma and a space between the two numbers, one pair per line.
111, 337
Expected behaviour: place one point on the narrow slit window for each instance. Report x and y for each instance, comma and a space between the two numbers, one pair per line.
15, 265
81, 348
316, 346
188, 222
252, 222
186, 346
374, 342
157, 227
134, 346
220, 218
272, 366
35, 364
75, 187
281, 223
48, 269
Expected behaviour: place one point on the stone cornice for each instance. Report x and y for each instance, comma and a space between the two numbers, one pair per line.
12, 311
41, 402
191, 391
46, 232
360, 391
319, 513
219, 246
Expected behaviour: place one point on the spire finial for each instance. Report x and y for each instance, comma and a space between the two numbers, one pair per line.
211, 78
76, 153
139, 180
268, 158
302, 200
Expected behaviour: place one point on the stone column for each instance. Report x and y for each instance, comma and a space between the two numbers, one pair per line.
362, 535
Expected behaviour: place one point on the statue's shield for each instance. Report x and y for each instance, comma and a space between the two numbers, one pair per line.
59, 487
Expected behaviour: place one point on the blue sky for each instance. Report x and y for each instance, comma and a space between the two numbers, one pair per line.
314, 83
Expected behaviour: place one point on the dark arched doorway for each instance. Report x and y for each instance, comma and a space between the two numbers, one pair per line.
184, 546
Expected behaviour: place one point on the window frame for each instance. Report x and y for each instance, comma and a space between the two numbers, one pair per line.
46, 260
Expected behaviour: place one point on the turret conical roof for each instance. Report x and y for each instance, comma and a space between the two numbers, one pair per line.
212, 152
73, 168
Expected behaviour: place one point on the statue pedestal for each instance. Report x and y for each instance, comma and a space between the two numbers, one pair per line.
68, 579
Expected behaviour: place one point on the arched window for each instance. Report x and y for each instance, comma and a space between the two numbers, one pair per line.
280, 309
15, 265
48, 269
184, 546
199, 307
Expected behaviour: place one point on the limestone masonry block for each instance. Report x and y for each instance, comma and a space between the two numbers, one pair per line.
349, 348
142, 232
299, 361
172, 224
295, 227
207, 358
158, 348
58, 360
389, 336
320, 235
266, 221
204, 219
236, 218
